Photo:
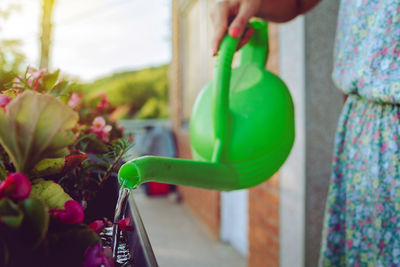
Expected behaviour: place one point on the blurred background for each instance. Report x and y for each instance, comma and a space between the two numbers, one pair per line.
149, 60
105, 46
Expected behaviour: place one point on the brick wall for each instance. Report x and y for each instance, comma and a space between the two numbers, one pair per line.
264, 199
264, 224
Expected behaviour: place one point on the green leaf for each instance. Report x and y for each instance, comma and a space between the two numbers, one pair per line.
47, 167
94, 145
10, 92
10, 213
3, 173
50, 192
68, 242
61, 87
61, 153
35, 127
36, 221
49, 80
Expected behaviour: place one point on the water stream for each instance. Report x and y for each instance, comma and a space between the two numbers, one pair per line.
124, 257
120, 212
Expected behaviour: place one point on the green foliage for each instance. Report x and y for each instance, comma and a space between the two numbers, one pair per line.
88, 178
153, 108
50, 192
38, 240
134, 88
67, 243
24, 226
11, 57
47, 166
10, 214
40, 137
91, 144
36, 221
34, 127
42, 82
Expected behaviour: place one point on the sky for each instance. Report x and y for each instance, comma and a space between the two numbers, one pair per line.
93, 38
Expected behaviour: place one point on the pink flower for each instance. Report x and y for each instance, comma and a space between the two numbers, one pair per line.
124, 225
96, 256
100, 128
15, 186
4, 100
103, 104
72, 213
35, 76
75, 100
97, 226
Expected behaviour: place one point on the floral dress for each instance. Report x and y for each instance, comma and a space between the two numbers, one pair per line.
362, 217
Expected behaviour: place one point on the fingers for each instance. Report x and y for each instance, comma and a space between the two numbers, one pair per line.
246, 37
241, 11
219, 17
238, 25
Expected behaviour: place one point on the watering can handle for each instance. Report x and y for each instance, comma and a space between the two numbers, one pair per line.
254, 52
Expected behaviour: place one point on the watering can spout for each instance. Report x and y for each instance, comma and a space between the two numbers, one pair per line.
205, 175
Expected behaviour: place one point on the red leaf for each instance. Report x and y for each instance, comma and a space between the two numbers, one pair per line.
73, 160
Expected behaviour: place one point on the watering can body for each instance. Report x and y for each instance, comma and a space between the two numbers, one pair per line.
260, 126
241, 129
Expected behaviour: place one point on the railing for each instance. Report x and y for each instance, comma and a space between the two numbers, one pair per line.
133, 126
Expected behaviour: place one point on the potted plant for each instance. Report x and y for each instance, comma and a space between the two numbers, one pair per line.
58, 163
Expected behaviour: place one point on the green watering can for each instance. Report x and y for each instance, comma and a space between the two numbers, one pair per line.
241, 129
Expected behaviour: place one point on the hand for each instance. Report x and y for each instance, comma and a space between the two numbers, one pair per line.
238, 12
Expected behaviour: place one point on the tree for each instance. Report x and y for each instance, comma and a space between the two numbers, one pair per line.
11, 57
45, 38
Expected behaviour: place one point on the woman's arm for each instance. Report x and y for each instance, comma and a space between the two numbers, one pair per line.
240, 11
284, 10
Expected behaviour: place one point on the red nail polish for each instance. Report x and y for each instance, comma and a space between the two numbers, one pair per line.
251, 31
234, 32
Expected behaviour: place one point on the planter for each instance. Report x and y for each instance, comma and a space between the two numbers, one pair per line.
139, 244
140, 250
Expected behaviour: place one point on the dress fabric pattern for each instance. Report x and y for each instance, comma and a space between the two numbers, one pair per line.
362, 216
367, 49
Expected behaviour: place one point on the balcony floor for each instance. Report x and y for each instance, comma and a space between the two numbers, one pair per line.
179, 239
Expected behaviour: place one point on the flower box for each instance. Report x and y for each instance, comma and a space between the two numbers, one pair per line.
58, 162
